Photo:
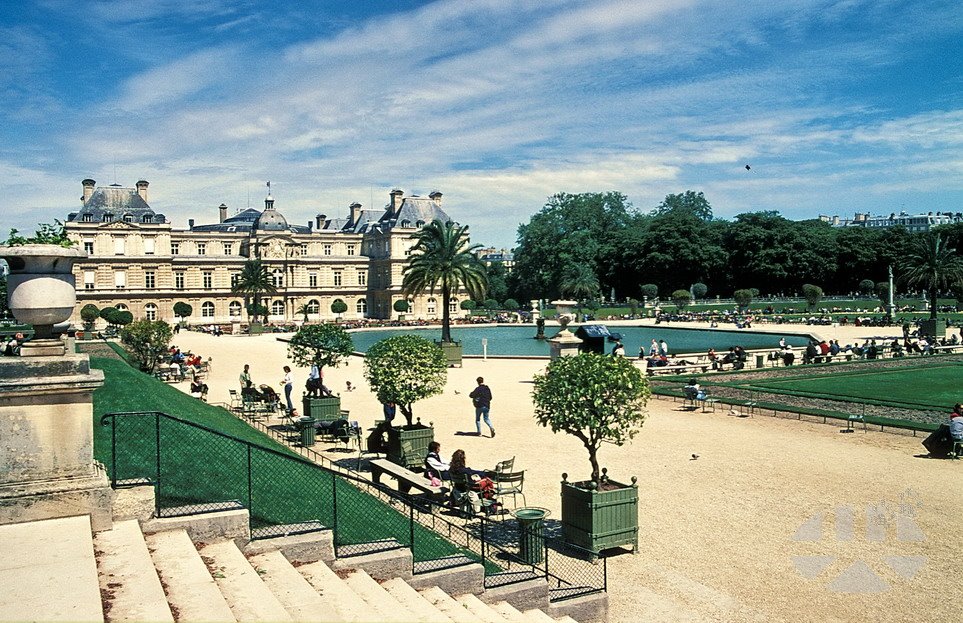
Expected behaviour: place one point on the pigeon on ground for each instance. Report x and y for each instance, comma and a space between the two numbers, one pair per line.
695, 456
457, 392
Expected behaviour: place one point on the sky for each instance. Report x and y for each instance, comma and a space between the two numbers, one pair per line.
838, 106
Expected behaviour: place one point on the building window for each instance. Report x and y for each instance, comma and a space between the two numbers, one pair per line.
120, 279
128, 218
179, 281
89, 247
304, 250
88, 218
278, 278
235, 277
406, 223
327, 249
207, 309
362, 279
432, 306
208, 279
312, 280
350, 249
122, 307
107, 218
150, 310
149, 279
234, 308
175, 248
147, 218
148, 246
361, 307
314, 307
228, 248
119, 246
202, 248
277, 308
89, 280
337, 277
453, 305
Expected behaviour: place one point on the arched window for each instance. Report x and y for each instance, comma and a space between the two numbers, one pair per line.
432, 306
121, 307
234, 308
150, 310
207, 309
361, 307
453, 305
277, 308
278, 277
314, 307
420, 224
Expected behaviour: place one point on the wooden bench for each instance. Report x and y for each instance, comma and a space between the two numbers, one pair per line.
405, 477
653, 370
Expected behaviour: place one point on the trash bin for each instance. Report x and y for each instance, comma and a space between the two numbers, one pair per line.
530, 540
760, 361
306, 428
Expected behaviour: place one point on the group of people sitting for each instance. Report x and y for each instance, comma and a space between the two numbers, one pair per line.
944, 441
11, 345
736, 357
470, 488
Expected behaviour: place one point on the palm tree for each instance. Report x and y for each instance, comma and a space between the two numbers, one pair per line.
932, 264
304, 310
442, 259
580, 282
254, 280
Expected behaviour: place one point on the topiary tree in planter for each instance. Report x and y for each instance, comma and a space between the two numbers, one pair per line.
147, 341
681, 298
182, 310
597, 399
405, 369
813, 294
401, 306
469, 306
742, 298
511, 304
89, 313
109, 314
338, 307
123, 317
322, 345
699, 290
866, 287
650, 291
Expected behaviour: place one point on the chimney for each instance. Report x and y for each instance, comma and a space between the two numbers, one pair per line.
435, 196
310, 225
355, 212
190, 224
396, 198
320, 220
222, 213
835, 219
142, 189
88, 189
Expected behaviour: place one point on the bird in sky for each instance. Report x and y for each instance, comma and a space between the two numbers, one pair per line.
748, 168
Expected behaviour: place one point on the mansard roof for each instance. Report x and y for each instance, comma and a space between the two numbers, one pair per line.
415, 210
117, 201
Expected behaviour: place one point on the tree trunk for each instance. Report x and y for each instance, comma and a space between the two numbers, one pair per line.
406, 411
593, 459
933, 300
445, 314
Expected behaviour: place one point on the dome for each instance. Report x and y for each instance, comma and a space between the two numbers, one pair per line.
270, 219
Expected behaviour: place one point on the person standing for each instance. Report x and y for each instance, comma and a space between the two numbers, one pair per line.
245, 377
390, 410
288, 383
618, 350
481, 397
654, 349
663, 348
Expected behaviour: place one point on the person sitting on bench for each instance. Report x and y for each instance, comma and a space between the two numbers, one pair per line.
435, 467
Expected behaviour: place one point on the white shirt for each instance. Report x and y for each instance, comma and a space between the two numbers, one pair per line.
288, 379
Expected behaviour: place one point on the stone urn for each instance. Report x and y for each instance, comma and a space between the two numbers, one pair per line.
564, 343
565, 316
40, 291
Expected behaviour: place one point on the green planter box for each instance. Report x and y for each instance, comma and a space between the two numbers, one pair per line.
934, 328
452, 352
597, 520
322, 409
255, 328
408, 445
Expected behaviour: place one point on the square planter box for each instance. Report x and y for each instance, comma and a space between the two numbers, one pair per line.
452, 352
408, 445
934, 328
322, 409
597, 520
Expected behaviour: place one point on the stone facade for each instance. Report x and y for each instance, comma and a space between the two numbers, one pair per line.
138, 261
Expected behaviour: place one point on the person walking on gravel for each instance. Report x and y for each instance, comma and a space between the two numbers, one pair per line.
481, 397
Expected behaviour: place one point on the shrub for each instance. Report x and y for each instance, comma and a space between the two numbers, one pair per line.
681, 298
650, 290
699, 290
401, 306
146, 341
866, 287
742, 298
511, 304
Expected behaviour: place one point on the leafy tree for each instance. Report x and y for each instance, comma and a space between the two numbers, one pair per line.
109, 314
338, 307
650, 291
742, 298
322, 345
699, 290
681, 298
511, 304
468, 305
183, 310
405, 369
813, 294
689, 203
401, 306
89, 313
866, 287
146, 341
253, 281
123, 317
497, 281
932, 264
580, 282
593, 397
442, 259
46, 233
882, 293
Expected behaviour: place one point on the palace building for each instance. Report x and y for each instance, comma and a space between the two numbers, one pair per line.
136, 259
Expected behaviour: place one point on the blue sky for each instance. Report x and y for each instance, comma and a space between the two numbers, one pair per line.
838, 105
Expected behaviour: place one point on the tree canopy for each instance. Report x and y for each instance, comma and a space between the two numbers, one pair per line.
931, 263
146, 341
253, 281
322, 345
405, 369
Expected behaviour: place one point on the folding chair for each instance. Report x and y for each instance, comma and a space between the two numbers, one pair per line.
510, 483
504, 466
236, 403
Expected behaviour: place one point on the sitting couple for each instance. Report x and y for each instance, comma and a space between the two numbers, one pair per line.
469, 486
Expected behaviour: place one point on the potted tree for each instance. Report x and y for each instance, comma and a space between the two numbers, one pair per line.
404, 369
322, 345
597, 399
182, 310
401, 306
338, 307
89, 313
442, 259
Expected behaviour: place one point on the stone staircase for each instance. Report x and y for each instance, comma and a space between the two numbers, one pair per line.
203, 568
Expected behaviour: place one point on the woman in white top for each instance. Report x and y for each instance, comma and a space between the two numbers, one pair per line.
288, 384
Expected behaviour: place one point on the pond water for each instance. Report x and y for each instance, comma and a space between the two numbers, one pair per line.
520, 342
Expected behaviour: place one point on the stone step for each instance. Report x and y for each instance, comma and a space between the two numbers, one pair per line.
566, 619
250, 599
378, 599
191, 591
455, 611
338, 595
423, 610
509, 612
479, 608
48, 571
292, 589
537, 616
128, 580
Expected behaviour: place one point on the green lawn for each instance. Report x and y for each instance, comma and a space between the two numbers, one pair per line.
198, 467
